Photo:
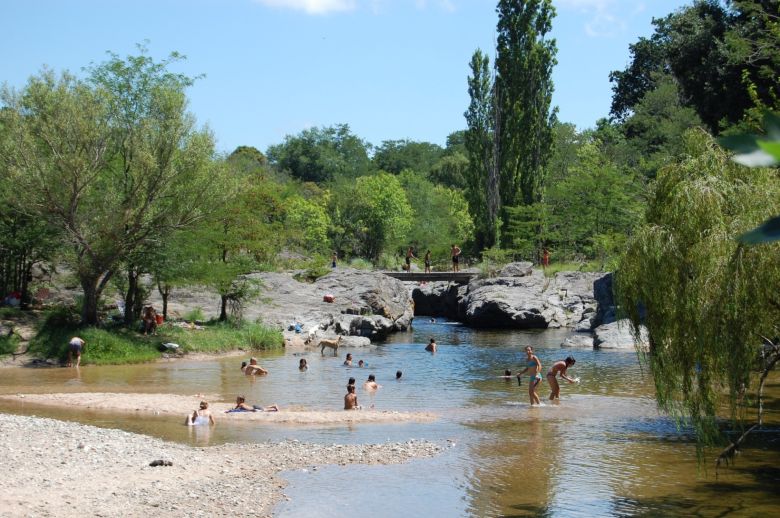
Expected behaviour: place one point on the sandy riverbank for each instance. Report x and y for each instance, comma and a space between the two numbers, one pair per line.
55, 468
178, 406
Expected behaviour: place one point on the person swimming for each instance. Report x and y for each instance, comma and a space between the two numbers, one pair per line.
348, 361
534, 366
303, 365
431, 347
252, 369
371, 383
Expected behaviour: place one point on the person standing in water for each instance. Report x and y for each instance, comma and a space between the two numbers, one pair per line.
534, 368
431, 347
350, 400
455, 253
559, 368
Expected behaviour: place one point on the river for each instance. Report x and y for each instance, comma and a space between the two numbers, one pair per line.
603, 451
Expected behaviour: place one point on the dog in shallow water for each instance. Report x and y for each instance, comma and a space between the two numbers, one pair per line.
333, 344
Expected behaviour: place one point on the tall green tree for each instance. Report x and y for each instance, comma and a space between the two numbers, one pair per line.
525, 57
116, 162
394, 156
322, 154
481, 140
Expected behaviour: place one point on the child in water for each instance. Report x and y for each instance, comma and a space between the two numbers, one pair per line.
559, 368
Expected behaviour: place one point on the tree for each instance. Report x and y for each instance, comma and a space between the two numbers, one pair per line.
322, 154
481, 143
307, 223
451, 170
394, 156
525, 57
371, 214
707, 299
116, 162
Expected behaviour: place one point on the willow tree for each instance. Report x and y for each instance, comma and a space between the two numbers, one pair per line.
708, 300
115, 161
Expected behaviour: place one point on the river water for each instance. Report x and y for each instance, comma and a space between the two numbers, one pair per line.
603, 451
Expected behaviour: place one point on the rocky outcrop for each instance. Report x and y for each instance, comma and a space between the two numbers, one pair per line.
367, 304
530, 301
605, 301
618, 335
520, 269
585, 341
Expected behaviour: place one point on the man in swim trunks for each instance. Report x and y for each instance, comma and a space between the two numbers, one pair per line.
428, 261
559, 368
371, 383
348, 361
75, 347
409, 257
455, 253
534, 368
431, 347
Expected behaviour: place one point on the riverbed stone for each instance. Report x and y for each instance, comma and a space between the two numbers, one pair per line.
518, 269
578, 341
618, 335
437, 299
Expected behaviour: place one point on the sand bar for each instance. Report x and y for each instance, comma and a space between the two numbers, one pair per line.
179, 406
62, 469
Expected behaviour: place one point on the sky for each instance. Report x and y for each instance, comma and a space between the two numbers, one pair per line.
391, 69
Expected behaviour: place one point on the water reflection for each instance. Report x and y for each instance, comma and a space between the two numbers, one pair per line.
603, 451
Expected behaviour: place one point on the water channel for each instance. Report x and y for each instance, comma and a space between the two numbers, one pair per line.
603, 451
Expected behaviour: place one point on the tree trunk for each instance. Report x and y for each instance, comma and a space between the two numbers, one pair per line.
89, 311
130, 296
165, 292
223, 309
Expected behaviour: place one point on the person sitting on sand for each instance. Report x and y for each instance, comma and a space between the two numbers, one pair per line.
253, 369
201, 416
431, 347
371, 383
350, 400
348, 361
243, 406
559, 368
302, 365
75, 348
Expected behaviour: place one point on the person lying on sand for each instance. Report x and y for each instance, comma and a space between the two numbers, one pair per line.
253, 369
243, 406
350, 400
371, 383
201, 416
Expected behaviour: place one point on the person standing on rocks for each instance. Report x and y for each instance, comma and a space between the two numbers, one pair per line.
427, 261
559, 368
455, 253
409, 257
545, 257
75, 347
333, 259
534, 368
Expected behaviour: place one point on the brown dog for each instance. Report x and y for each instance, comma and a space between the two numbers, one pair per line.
333, 344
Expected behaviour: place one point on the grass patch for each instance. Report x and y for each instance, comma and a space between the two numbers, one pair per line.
119, 345
8, 344
581, 266
194, 315
10, 313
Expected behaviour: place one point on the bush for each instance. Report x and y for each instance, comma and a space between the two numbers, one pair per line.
361, 264
195, 315
8, 344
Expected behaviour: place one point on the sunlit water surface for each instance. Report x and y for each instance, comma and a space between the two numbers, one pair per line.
603, 451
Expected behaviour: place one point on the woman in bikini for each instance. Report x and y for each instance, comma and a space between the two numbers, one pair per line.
534, 368
243, 406
559, 368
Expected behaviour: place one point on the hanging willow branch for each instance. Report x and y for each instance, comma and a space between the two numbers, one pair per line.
771, 357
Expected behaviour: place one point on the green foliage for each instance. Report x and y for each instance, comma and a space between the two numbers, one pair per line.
8, 344
707, 298
371, 214
724, 56
525, 57
440, 215
451, 170
195, 315
219, 337
322, 154
115, 162
307, 224
394, 156
594, 198
360, 264
523, 231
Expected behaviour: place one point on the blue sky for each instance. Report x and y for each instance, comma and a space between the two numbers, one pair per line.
391, 69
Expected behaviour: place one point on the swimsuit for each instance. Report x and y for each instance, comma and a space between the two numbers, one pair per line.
75, 346
534, 377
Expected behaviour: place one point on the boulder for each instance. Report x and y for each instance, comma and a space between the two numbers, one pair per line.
510, 302
578, 341
519, 269
618, 335
605, 300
